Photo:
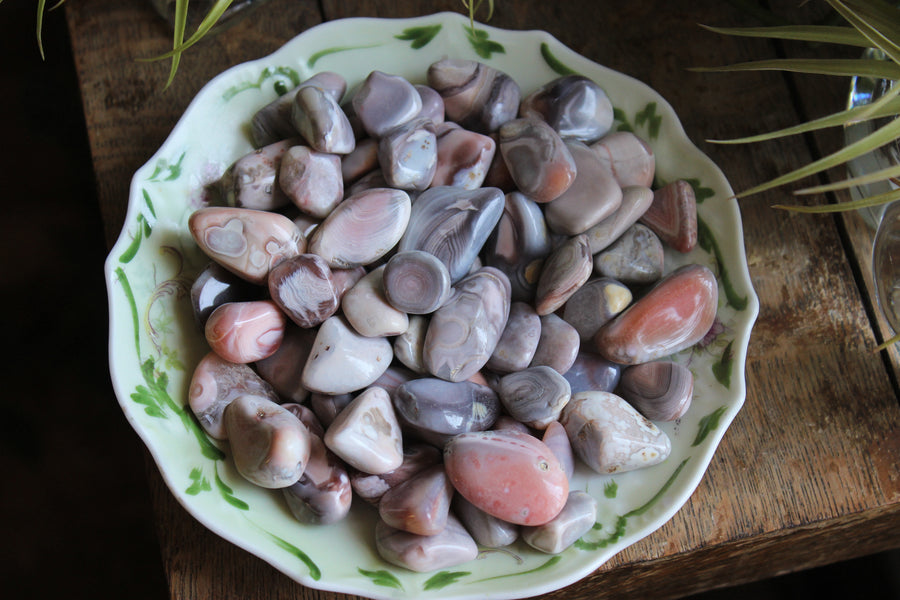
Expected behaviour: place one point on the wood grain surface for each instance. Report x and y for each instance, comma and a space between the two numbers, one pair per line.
808, 473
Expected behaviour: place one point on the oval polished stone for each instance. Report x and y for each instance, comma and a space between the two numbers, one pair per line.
565, 270
312, 180
424, 553
366, 434
629, 158
635, 202
215, 383
270, 445
534, 396
246, 242
478, 97
593, 195
519, 244
416, 282
321, 121
558, 344
507, 474
574, 106
323, 493
215, 286
463, 157
637, 257
452, 224
384, 101
408, 155
463, 333
363, 228
416, 458
661, 391
557, 440
591, 372
244, 332
674, 315
252, 181
343, 361
518, 341
487, 530
303, 288
421, 504
539, 162
409, 345
283, 370
610, 436
436, 410
273, 122
594, 304
673, 215
576, 518
366, 308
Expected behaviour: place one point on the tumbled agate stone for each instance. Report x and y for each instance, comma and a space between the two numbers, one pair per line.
366, 433
487, 530
270, 446
476, 96
661, 390
436, 410
408, 155
216, 285
252, 181
637, 257
416, 458
463, 157
284, 368
323, 493
273, 122
594, 304
343, 361
245, 332
635, 202
384, 101
519, 340
534, 396
321, 121
673, 215
510, 475
312, 180
367, 310
452, 224
576, 518
424, 553
610, 436
244, 241
303, 288
629, 158
564, 271
558, 344
463, 333
574, 106
416, 282
421, 504
674, 315
538, 160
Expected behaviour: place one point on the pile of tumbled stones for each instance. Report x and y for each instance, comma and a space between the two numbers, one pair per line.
436, 297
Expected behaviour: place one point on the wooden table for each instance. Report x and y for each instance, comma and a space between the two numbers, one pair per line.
808, 474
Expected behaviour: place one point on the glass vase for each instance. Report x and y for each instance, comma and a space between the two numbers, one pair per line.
883, 219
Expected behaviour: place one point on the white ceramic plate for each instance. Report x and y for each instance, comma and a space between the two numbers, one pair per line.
154, 344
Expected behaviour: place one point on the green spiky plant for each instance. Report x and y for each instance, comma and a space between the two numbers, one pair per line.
872, 24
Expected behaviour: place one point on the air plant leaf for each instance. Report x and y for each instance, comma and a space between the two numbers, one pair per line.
892, 172
878, 69
875, 200
877, 21
838, 119
805, 33
876, 139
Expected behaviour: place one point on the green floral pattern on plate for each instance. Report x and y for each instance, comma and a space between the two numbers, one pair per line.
154, 344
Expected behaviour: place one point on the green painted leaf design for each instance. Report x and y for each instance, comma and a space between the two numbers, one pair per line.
166, 171
382, 578
622, 521
648, 117
723, 367
624, 124
144, 229
538, 568
286, 79
701, 193
200, 483
482, 44
311, 62
314, 571
228, 493
707, 241
443, 579
419, 36
554, 63
707, 424
610, 489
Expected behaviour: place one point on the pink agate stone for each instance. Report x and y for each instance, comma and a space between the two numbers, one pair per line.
508, 474
674, 315
243, 332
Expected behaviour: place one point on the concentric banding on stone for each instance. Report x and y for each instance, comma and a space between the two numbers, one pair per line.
416, 282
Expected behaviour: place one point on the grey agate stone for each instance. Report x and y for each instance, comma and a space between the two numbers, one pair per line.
436, 410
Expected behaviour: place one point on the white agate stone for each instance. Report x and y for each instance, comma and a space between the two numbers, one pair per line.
610, 436
368, 311
343, 361
576, 518
366, 433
